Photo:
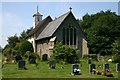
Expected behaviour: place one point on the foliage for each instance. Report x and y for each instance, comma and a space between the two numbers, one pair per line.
116, 47
16, 49
116, 59
65, 53
92, 56
12, 41
101, 30
24, 34
24, 47
116, 50
7, 51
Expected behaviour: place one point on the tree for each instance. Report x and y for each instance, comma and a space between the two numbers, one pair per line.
24, 34
25, 46
65, 53
116, 47
12, 41
101, 30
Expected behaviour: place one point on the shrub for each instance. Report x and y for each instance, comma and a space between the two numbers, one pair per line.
25, 46
32, 58
65, 53
92, 56
116, 59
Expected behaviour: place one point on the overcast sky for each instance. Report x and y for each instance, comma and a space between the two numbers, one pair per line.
17, 16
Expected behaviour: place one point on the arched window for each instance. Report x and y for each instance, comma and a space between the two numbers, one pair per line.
69, 35
74, 36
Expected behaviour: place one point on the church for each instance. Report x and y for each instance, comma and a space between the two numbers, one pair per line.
46, 32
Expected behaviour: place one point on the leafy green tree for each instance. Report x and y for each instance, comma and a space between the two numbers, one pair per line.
24, 34
12, 41
24, 47
116, 47
101, 30
16, 49
65, 53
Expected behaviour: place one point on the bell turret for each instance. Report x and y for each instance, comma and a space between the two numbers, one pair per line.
37, 18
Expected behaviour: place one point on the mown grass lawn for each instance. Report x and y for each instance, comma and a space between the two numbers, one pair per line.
43, 71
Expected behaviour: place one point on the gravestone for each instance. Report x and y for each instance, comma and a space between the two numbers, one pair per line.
76, 69
18, 57
52, 64
118, 67
32, 60
92, 68
21, 64
89, 61
106, 67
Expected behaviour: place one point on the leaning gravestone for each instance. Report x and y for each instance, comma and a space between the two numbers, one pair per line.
21, 64
118, 67
92, 68
52, 64
106, 67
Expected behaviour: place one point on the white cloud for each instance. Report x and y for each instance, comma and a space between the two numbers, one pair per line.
12, 24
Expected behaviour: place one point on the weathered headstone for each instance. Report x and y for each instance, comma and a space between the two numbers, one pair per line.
92, 68
106, 67
76, 69
32, 60
52, 64
21, 64
118, 67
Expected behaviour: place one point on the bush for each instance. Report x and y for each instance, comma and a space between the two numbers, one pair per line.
116, 59
65, 53
44, 57
32, 58
25, 46
92, 56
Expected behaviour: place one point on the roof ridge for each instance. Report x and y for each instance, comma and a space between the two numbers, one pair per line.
52, 26
63, 15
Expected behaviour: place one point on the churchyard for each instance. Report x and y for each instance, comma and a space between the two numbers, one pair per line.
43, 70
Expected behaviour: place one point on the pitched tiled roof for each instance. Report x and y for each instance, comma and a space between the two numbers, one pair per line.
39, 25
52, 26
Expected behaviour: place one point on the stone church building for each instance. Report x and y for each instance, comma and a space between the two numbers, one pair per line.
47, 32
